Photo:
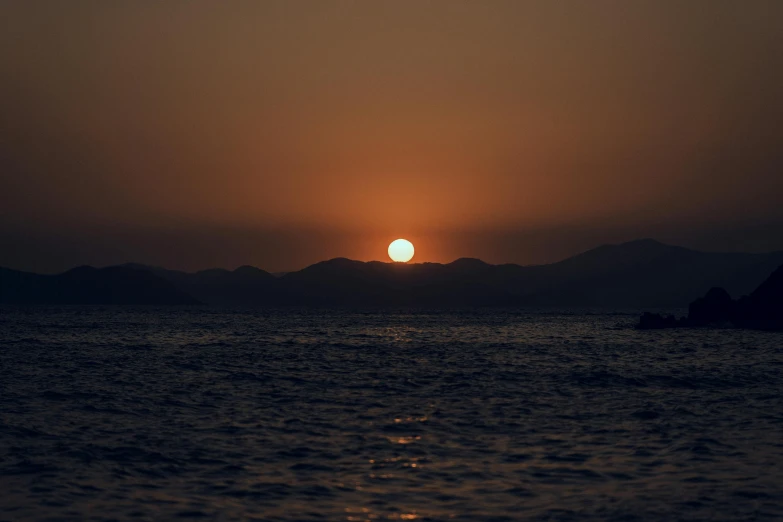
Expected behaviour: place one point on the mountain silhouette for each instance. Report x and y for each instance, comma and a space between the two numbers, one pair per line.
245, 286
345, 282
87, 285
647, 273
643, 273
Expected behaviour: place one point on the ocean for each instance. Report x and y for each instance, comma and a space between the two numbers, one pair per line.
297, 415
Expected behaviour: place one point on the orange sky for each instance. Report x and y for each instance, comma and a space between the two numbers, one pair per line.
282, 133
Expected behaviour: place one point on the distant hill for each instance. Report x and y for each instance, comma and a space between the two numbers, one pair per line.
638, 273
87, 285
646, 273
345, 282
245, 286
643, 273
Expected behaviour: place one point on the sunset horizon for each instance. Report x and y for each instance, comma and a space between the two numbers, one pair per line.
391, 260
280, 134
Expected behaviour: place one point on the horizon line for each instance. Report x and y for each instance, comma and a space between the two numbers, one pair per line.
389, 262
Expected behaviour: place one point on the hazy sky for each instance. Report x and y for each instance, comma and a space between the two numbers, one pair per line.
195, 134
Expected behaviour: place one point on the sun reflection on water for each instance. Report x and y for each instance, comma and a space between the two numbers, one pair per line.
365, 514
404, 440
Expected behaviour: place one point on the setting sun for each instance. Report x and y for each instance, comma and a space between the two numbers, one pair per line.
401, 250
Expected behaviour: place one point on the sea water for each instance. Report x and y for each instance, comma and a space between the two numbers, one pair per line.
296, 415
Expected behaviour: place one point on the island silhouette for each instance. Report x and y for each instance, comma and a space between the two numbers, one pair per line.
762, 309
643, 273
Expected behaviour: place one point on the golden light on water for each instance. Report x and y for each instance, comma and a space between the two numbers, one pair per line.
404, 440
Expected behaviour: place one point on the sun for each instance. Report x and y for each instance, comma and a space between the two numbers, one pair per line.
401, 250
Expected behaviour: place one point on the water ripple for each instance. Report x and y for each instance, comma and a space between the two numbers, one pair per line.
295, 415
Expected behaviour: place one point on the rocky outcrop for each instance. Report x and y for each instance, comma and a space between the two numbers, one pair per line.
649, 321
715, 307
762, 309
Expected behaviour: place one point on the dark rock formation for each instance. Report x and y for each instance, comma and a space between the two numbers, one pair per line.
715, 307
650, 321
762, 309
